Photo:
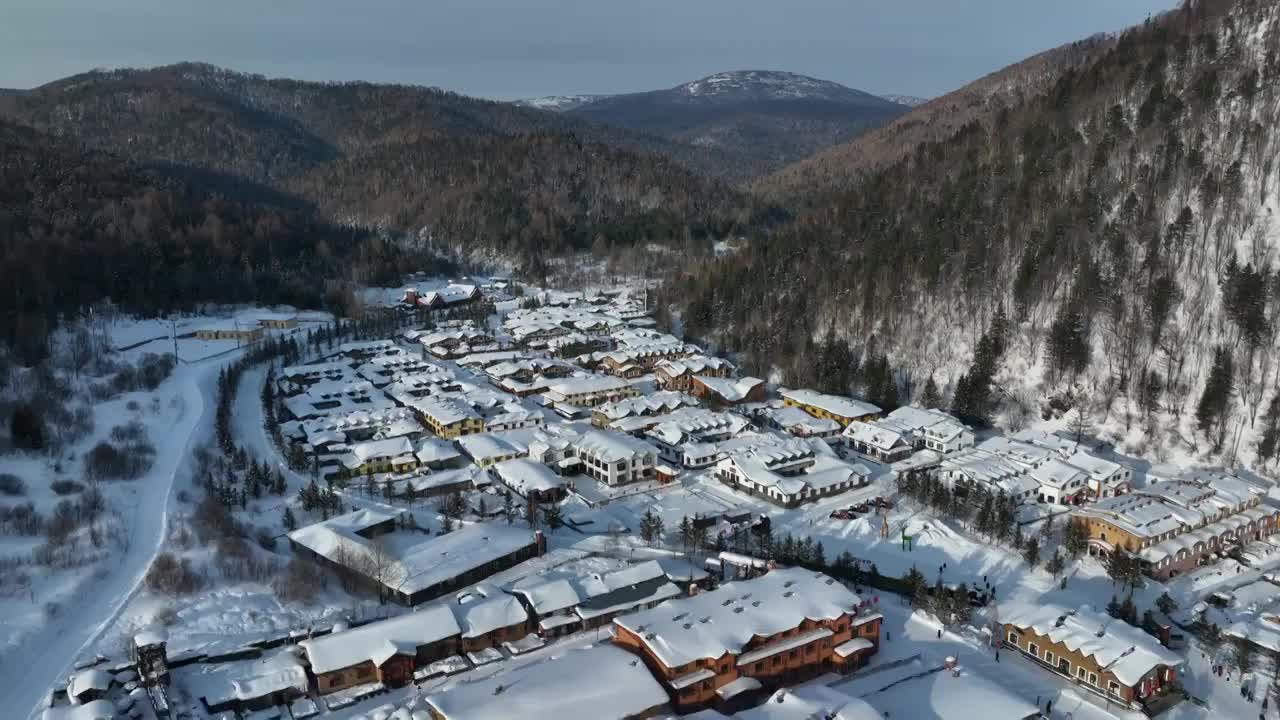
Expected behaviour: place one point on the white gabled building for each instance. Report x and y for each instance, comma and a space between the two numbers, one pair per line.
880, 440
977, 468
1106, 478
1060, 483
789, 472
615, 459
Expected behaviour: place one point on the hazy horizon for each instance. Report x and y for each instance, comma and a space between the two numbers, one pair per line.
506, 50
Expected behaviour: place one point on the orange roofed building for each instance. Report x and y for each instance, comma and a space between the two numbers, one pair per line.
747, 638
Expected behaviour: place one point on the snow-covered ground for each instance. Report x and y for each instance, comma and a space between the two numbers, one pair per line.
40, 649
64, 614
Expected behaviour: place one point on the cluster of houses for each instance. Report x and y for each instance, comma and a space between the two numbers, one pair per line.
676, 645
583, 390
1180, 520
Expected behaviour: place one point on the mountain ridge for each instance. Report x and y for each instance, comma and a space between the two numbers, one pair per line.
765, 118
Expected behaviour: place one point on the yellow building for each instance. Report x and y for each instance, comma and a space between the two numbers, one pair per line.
381, 456
448, 418
830, 407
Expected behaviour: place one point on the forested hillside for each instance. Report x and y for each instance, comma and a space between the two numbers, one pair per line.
812, 179
407, 158
80, 226
1123, 220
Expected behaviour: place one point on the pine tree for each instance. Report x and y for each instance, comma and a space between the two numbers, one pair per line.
552, 516
289, 521
1056, 563
1166, 604
1031, 553
1269, 441
1211, 411
686, 533
508, 508
1075, 538
930, 397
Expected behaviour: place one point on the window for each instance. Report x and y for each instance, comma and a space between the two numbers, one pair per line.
1114, 687
1048, 657
1013, 638
1093, 678
1080, 673
1064, 667
1033, 650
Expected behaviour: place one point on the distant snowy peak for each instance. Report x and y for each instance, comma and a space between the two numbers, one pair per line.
767, 85
559, 103
908, 100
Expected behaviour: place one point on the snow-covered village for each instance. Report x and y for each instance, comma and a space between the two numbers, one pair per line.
496, 360
488, 500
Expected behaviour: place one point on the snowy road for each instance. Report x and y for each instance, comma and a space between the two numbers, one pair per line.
45, 658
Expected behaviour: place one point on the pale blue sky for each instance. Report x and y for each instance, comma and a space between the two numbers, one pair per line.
510, 49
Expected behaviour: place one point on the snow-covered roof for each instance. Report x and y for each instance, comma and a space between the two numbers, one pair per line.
448, 556
246, 680
652, 404
587, 385
1057, 474
565, 593
1023, 454
524, 476
91, 679
880, 436
486, 446
731, 389
1202, 536
423, 482
444, 410
724, 620
433, 450
150, 636
364, 452
1096, 468
1135, 513
325, 538
351, 647
1065, 447
552, 596
602, 683
1116, 646
478, 618
793, 419
335, 368
612, 447
835, 404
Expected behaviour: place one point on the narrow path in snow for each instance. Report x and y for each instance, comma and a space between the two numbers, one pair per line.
45, 658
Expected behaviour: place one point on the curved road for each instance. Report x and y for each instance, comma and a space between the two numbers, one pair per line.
45, 658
